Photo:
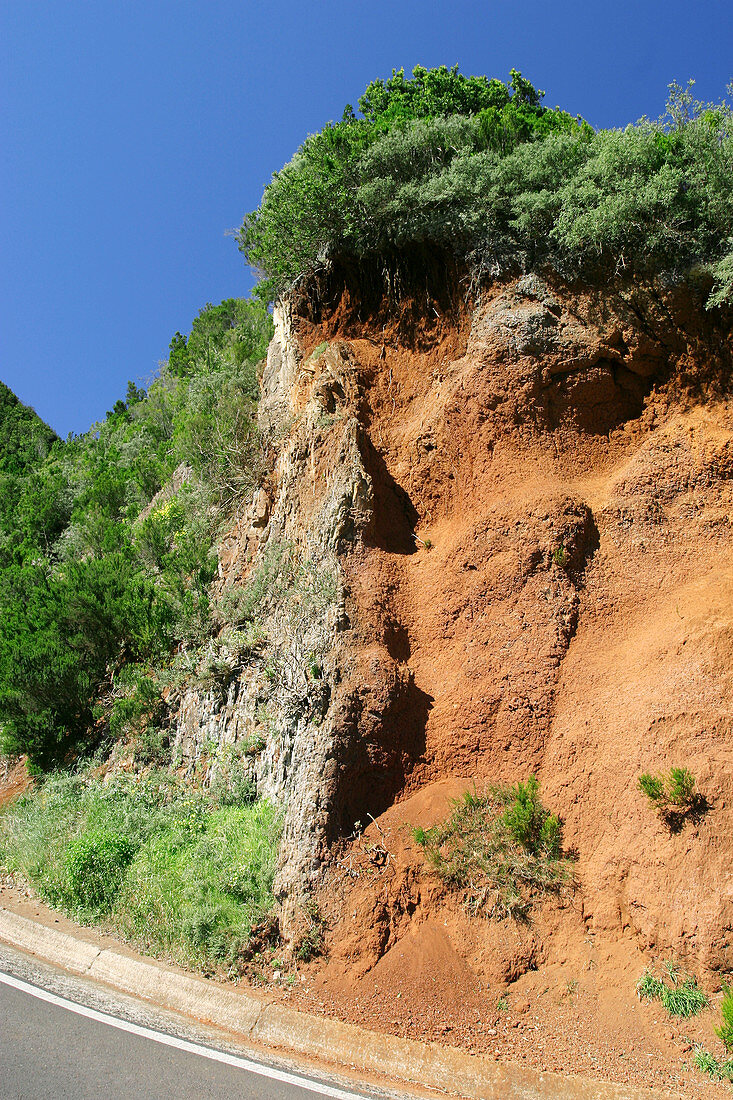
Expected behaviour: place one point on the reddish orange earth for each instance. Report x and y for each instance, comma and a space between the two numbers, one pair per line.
546, 587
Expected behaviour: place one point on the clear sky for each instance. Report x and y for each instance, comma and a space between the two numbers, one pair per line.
134, 133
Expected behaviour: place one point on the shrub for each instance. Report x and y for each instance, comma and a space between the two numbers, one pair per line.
137, 704
38, 829
672, 794
679, 994
501, 849
479, 169
681, 788
529, 823
368, 185
95, 865
653, 787
560, 556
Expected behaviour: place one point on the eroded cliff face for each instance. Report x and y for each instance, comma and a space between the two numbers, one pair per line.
494, 543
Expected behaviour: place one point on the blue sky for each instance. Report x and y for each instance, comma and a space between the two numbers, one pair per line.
134, 133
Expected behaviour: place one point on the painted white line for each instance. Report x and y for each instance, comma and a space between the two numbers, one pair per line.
181, 1044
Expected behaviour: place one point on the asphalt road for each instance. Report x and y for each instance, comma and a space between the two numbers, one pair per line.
62, 1038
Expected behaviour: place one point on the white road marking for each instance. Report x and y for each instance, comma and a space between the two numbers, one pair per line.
181, 1044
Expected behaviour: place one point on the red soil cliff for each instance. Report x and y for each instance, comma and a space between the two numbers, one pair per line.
543, 586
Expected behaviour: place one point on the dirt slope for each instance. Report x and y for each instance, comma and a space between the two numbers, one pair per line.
548, 566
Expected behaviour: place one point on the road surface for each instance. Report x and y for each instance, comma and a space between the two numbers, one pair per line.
62, 1038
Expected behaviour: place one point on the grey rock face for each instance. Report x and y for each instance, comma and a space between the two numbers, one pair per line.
276, 703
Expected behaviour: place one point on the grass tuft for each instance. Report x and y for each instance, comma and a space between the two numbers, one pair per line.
679, 994
502, 849
725, 1031
715, 1070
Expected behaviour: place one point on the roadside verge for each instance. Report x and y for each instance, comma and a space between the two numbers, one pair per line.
276, 1026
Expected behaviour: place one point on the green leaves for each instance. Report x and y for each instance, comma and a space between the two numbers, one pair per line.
24, 438
725, 1031
673, 795
480, 169
61, 630
529, 822
95, 865
722, 271
86, 587
367, 185
440, 91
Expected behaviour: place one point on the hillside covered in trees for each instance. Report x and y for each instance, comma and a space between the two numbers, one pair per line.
444, 164
97, 589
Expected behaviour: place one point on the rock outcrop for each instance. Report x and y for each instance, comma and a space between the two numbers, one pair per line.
494, 545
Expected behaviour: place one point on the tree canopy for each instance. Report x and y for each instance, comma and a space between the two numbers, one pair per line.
481, 169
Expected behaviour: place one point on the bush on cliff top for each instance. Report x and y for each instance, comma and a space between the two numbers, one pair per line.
482, 170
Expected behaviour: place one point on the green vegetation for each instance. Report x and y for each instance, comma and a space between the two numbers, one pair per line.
100, 580
673, 795
311, 941
725, 1031
107, 539
715, 1070
316, 354
501, 849
106, 569
95, 864
171, 867
480, 169
24, 443
678, 993
560, 557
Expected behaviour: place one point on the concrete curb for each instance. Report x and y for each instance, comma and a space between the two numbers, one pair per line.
444, 1068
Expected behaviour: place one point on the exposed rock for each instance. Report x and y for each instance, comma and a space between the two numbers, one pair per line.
498, 551
180, 476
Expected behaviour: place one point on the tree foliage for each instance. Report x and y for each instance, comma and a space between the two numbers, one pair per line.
95, 576
322, 203
481, 169
24, 439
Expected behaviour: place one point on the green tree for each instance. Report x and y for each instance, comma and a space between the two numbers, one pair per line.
482, 170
